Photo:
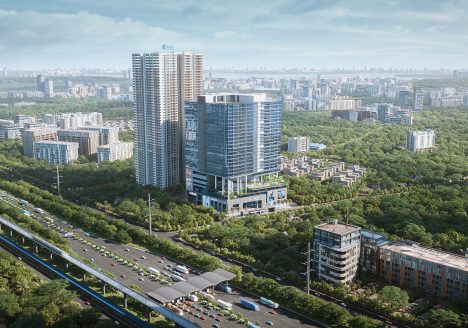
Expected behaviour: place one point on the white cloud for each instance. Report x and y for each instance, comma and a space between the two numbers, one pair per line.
79, 35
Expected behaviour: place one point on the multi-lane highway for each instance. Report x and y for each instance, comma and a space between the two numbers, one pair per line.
94, 248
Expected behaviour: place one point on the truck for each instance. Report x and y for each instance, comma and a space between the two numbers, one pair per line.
182, 269
177, 278
27, 213
252, 325
224, 304
249, 304
269, 303
225, 288
154, 271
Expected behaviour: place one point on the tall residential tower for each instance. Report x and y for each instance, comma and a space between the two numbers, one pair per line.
162, 81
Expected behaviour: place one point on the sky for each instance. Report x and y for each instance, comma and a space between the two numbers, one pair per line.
237, 34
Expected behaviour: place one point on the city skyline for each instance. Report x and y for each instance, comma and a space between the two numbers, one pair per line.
246, 34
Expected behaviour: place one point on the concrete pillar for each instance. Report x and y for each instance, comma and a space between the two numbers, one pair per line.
223, 186
125, 300
84, 277
238, 189
0, 227
37, 248
11, 233
104, 289
22, 239
51, 256
216, 182
149, 315
66, 265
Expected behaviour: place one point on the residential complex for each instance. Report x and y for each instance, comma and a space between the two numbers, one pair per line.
340, 249
33, 135
420, 141
300, 165
349, 176
328, 171
298, 144
56, 152
336, 251
162, 81
88, 140
435, 272
232, 152
114, 152
107, 135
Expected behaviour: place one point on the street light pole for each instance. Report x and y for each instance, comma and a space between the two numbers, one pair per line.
308, 268
149, 213
58, 181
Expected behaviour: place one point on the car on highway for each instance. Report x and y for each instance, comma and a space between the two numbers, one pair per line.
127, 250
85, 249
143, 257
92, 260
343, 304
270, 323
123, 276
141, 279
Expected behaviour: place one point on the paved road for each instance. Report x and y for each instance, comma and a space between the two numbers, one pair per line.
144, 259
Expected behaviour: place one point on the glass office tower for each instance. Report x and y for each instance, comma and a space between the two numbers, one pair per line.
232, 148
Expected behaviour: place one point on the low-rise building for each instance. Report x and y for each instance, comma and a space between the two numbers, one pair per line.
328, 171
114, 152
349, 176
56, 152
300, 165
336, 249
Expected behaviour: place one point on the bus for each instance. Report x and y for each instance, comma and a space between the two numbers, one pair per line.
154, 271
177, 278
249, 304
225, 288
182, 269
206, 295
269, 303
193, 298
224, 304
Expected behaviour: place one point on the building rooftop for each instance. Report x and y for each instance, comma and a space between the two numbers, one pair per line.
428, 254
337, 228
55, 142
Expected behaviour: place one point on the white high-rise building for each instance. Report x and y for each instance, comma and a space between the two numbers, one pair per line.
298, 144
420, 141
56, 152
162, 81
115, 152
